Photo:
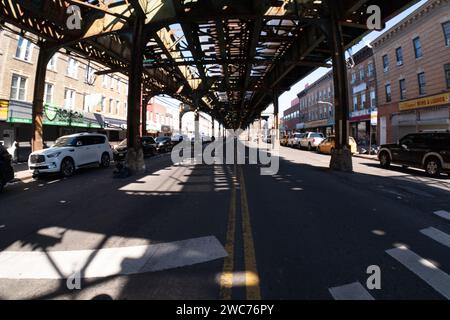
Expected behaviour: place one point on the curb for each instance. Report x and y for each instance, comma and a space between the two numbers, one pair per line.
365, 157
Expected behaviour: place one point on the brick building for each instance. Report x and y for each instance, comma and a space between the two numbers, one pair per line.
291, 117
362, 95
413, 70
75, 98
316, 103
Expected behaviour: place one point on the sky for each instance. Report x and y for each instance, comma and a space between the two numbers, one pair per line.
287, 97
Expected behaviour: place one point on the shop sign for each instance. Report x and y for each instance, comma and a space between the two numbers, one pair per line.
427, 102
374, 118
4, 109
62, 117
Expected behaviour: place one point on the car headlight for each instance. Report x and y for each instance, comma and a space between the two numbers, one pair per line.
53, 155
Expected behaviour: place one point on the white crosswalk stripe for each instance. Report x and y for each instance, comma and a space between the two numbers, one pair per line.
443, 214
426, 270
351, 291
437, 235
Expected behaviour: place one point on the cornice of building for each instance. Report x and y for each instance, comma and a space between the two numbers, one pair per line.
408, 21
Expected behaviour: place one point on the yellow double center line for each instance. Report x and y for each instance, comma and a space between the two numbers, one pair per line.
253, 291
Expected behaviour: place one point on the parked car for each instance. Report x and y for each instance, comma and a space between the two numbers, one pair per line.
70, 153
163, 144
428, 151
149, 147
311, 140
294, 140
6, 170
327, 146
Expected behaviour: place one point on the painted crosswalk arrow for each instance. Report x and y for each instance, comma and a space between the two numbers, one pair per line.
109, 261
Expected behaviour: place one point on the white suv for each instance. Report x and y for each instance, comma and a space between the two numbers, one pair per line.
70, 153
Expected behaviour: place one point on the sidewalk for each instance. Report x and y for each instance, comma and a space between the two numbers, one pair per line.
21, 172
366, 156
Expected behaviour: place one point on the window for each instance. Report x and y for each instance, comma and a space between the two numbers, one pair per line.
103, 104
111, 105
24, 49
112, 83
370, 70
90, 75
353, 77
386, 63
125, 108
355, 103
417, 48
69, 98
421, 81
399, 56
372, 99
362, 74
18, 87
48, 94
117, 107
363, 101
52, 63
447, 74
72, 68
446, 27
402, 84
387, 90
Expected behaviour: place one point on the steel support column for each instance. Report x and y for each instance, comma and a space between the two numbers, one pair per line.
37, 117
134, 154
341, 157
145, 100
275, 113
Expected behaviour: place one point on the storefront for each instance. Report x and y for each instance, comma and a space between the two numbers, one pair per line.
115, 129
428, 114
363, 123
57, 121
325, 126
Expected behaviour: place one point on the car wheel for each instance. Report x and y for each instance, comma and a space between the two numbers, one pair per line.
433, 167
67, 167
309, 147
105, 161
385, 160
331, 150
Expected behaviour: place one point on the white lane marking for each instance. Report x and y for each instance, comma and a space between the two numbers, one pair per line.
443, 214
424, 269
109, 261
351, 291
437, 235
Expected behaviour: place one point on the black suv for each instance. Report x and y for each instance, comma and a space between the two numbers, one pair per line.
148, 147
428, 151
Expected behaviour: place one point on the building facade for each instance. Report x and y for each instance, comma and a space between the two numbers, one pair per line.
291, 117
413, 70
75, 98
316, 105
363, 98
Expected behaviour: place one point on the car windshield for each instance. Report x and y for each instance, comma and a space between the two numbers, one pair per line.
123, 143
64, 142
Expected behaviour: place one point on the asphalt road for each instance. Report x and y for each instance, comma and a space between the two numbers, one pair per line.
196, 231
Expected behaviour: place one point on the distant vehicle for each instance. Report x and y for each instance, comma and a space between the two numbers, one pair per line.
428, 151
70, 153
149, 147
179, 137
311, 140
327, 146
6, 170
164, 144
294, 140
